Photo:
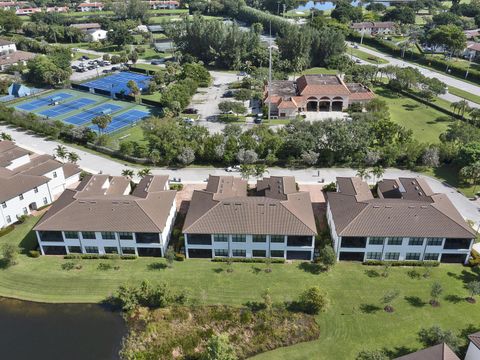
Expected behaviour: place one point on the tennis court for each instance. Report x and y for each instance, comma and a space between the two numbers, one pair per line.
43, 101
88, 115
129, 117
118, 82
64, 108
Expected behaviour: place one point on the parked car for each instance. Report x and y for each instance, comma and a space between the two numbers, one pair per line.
115, 68
190, 111
157, 62
84, 57
106, 71
235, 168
189, 120
228, 94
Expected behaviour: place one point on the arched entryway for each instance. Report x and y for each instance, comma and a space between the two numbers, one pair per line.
337, 104
324, 104
312, 104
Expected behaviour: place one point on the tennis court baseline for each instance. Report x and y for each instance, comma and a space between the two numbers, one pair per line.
67, 107
43, 101
120, 121
88, 115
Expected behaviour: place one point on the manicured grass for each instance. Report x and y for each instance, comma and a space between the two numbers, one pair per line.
458, 62
354, 321
449, 174
464, 94
319, 70
411, 114
78, 54
134, 133
366, 57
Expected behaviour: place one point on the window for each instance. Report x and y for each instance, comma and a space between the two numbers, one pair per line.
412, 256
55, 236
395, 240
128, 250
431, 256
374, 256
25, 211
259, 253
392, 256
91, 249
299, 241
353, 242
75, 249
277, 253
4, 204
125, 236
20, 196
239, 238
108, 235
239, 253
199, 239
70, 234
415, 241
435, 242
88, 234
9, 219
110, 250
45, 201
457, 244
54, 174
259, 238
221, 252
147, 238
277, 238
35, 189
376, 241
220, 238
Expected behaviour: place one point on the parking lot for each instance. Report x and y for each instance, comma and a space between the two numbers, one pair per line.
94, 71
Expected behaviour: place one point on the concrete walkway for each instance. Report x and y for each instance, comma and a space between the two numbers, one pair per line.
95, 164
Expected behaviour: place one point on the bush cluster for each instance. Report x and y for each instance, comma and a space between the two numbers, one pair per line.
99, 256
249, 260
179, 257
6, 230
34, 253
402, 263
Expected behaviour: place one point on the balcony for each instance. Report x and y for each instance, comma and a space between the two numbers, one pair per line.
354, 242
457, 244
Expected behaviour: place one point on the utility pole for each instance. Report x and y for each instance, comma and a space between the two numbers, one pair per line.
361, 39
469, 64
270, 71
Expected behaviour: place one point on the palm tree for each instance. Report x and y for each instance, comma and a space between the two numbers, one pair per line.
363, 174
378, 172
144, 172
455, 106
6, 137
73, 157
463, 107
475, 115
128, 173
472, 173
61, 152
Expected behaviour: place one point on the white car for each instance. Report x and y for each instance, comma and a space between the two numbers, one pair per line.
235, 168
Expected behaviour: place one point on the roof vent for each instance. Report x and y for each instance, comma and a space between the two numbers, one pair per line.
417, 188
388, 206
420, 193
411, 206
272, 205
376, 206
424, 207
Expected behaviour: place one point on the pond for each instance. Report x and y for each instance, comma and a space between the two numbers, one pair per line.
59, 331
320, 5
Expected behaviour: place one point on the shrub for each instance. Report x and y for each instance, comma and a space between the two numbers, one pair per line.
327, 257
6, 230
402, 263
249, 260
179, 257
9, 254
69, 265
98, 256
34, 253
372, 355
178, 187
435, 335
104, 266
313, 300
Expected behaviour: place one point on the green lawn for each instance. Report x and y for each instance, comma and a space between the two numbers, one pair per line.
354, 321
78, 54
319, 70
464, 94
366, 56
449, 174
420, 118
134, 133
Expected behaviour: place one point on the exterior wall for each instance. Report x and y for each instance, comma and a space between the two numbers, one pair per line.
249, 246
5, 49
15, 206
57, 181
333, 231
473, 352
90, 8
72, 180
165, 236
97, 35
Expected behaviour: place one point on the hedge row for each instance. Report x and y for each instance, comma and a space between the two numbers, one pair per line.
248, 260
6, 230
431, 263
99, 256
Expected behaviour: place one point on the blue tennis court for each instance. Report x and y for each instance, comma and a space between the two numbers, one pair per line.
120, 121
118, 82
64, 108
89, 114
43, 101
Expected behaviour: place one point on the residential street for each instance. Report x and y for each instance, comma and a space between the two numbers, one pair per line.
95, 163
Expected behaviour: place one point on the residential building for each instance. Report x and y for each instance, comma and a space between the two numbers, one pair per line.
407, 221
103, 215
88, 6
375, 27
7, 46
12, 5
472, 34
87, 26
276, 222
437, 352
472, 51
33, 10
159, 4
313, 93
473, 350
29, 181
15, 58
96, 34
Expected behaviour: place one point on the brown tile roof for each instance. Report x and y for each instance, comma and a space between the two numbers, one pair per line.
226, 186
39, 165
9, 152
209, 214
321, 84
93, 206
475, 339
356, 213
11, 186
16, 57
359, 92
474, 46
373, 25
437, 352
4, 42
277, 187
150, 184
86, 26
70, 169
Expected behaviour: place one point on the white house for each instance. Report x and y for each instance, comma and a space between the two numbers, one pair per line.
29, 181
473, 351
104, 216
375, 27
160, 4
223, 221
407, 221
88, 6
7, 46
472, 51
96, 34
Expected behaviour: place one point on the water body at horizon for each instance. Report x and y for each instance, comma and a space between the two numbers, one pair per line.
324, 5
59, 331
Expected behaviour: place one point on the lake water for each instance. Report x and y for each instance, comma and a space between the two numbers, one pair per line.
59, 331
320, 5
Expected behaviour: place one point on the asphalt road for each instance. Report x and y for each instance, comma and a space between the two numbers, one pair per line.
95, 163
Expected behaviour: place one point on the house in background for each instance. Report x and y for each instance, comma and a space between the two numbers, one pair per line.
222, 221
375, 27
103, 215
407, 221
313, 93
472, 51
437, 352
89, 6
96, 34
12, 5
15, 58
159, 4
29, 181
7, 46
86, 26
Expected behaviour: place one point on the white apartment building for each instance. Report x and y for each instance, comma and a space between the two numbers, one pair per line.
90, 6
473, 351
7, 46
104, 216
407, 221
277, 222
29, 181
